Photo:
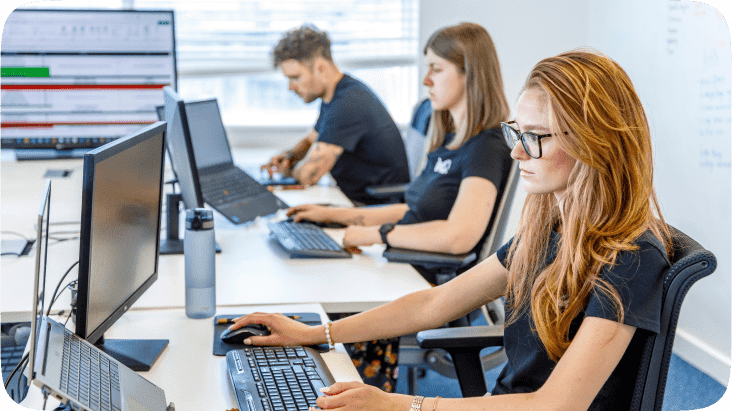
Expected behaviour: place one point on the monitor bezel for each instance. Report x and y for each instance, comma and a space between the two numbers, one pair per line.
39, 287
91, 160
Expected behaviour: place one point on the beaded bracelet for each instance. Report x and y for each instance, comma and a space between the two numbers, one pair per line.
417, 403
327, 335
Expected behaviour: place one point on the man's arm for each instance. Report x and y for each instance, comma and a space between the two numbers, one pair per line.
283, 163
319, 160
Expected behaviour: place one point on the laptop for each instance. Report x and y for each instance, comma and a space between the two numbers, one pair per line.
56, 355
224, 186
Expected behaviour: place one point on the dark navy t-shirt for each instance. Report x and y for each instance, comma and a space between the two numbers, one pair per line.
373, 151
432, 194
638, 277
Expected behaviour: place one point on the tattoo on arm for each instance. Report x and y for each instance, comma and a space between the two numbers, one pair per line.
319, 161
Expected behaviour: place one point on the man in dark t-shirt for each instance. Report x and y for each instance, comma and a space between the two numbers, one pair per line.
354, 138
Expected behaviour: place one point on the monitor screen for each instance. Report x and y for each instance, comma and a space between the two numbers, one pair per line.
81, 78
120, 222
180, 149
208, 135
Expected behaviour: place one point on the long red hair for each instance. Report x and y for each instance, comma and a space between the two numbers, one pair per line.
609, 202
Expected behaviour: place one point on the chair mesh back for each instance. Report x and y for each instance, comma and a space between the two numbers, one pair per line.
690, 262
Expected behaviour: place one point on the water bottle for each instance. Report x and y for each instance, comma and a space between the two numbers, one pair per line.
199, 250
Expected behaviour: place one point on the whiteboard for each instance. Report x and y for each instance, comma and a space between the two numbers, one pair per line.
677, 53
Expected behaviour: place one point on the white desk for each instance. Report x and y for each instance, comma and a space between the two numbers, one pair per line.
250, 270
191, 376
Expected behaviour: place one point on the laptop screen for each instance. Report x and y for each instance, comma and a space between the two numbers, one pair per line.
210, 145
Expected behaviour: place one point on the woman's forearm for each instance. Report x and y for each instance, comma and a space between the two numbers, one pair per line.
368, 216
405, 315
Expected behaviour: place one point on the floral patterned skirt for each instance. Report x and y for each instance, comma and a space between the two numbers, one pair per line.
376, 361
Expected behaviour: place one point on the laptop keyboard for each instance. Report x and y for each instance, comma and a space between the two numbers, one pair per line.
277, 378
89, 376
230, 187
306, 240
11, 356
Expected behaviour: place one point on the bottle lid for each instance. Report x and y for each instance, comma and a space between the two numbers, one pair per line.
199, 219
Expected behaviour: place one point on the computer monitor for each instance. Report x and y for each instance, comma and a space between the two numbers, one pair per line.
39, 281
118, 252
76, 78
180, 149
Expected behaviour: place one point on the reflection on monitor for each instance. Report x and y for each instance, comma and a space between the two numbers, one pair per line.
120, 223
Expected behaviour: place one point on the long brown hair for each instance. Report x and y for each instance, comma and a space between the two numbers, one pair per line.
470, 48
609, 202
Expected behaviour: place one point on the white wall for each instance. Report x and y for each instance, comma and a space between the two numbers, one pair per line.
634, 33
678, 56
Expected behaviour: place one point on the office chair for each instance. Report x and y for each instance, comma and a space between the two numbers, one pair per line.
415, 139
690, 262
416, 359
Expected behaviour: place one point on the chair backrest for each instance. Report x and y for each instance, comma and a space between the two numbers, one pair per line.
500, 224
415, 137
690, 262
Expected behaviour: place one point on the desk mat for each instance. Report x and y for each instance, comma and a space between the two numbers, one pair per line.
220, 348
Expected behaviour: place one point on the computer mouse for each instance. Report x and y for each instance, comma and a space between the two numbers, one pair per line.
240, 334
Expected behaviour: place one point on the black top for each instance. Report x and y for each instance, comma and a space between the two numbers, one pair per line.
638, 277
431, 195
373, 151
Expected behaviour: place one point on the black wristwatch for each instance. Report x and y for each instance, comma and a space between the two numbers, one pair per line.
384, 230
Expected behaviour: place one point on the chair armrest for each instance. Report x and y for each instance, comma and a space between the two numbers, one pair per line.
429, 259
387, 191
462, 337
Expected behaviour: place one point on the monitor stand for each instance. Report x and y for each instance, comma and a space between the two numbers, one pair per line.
138, 355
172, 244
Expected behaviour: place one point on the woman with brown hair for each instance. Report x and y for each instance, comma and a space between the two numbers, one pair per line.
450, 204
583, 275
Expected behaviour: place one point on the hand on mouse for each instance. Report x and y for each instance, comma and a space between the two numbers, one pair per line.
284, 330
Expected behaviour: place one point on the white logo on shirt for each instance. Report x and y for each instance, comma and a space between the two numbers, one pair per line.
442, 167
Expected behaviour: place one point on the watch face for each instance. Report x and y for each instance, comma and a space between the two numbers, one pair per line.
384, 229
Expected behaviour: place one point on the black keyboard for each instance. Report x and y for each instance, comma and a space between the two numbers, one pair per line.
306, 240
277, 378
230, 187
89, 376
11, 356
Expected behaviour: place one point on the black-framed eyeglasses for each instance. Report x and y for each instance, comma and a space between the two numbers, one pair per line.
530, 141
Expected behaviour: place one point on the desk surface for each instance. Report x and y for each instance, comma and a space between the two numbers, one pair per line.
191, 376
251, 269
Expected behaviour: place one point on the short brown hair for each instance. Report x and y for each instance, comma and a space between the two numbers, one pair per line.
302, 44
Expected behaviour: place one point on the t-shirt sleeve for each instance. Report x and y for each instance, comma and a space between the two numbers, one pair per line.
502, 253
638, 278
487, 158
343, 124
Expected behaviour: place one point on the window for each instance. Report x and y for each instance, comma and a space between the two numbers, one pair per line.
223, 50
